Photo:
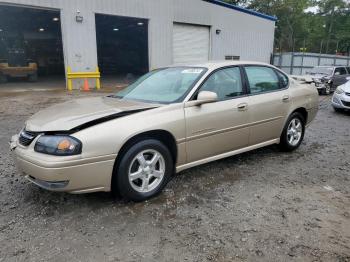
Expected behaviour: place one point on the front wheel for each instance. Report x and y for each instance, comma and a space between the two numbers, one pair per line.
144, 170
293, 132
327, 90
338, 110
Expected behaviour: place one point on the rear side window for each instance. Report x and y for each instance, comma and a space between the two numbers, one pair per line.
262, 79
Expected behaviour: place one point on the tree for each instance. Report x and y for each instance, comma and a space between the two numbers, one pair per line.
332, 10
237, 2
291, 19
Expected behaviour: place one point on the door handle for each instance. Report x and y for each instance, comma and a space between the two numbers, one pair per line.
242, 107
285, 98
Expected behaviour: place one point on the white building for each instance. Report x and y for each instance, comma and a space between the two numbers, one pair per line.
135, 35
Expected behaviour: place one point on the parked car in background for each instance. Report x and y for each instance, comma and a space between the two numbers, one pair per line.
17, 65
169, 120
328, 78
341, 97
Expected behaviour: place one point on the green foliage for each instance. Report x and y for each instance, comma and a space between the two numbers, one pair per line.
327, 30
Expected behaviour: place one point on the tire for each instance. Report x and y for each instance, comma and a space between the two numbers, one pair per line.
33, 77
143, 171
338, 110
326, 91
285, 142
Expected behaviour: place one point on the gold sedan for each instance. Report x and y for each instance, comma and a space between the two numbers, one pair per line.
169, 120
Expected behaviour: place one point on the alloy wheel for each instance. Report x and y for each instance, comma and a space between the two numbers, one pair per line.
146, 171
294, 131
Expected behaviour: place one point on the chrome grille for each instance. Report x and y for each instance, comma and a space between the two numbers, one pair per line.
26, 137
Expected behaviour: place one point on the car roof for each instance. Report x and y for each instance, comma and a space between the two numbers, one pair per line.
211, 65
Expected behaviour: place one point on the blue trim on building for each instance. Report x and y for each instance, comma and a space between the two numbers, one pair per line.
241, 9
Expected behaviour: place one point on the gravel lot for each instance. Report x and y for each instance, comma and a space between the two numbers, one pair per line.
264, 205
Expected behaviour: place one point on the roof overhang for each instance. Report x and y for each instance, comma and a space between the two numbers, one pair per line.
241, 9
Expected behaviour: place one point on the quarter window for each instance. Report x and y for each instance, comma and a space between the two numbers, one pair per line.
226, 83
262, 79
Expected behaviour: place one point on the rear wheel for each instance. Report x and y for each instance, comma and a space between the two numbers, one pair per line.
144, 170
293, 132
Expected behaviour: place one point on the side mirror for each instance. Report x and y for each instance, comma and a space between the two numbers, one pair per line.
204, 97
337, 73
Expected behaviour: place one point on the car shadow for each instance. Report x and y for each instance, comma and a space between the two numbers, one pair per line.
343, 112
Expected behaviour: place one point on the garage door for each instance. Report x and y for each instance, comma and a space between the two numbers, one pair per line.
191, 43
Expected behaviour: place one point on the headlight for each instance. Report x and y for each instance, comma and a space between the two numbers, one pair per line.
59, 145
339, 91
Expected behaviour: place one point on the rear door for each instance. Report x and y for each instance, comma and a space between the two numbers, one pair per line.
269, 101
222, 126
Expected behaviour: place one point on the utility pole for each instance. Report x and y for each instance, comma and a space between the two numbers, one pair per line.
319, 56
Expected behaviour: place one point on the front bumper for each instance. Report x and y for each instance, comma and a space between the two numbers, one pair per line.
64, 174
320, 85
341, 101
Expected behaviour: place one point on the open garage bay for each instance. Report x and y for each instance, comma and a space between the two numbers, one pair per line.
30, 48
122, 48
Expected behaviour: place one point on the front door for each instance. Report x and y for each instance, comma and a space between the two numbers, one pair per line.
339, 77
218, 127
268, 103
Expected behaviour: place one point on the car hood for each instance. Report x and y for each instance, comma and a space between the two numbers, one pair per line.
83, 113
313, 77
318, 76
346, 87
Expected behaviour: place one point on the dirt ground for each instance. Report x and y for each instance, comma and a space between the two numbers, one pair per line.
260, 206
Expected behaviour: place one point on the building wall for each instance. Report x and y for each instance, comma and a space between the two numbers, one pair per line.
250, 37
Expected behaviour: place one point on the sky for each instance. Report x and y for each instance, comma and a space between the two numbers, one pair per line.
312, 9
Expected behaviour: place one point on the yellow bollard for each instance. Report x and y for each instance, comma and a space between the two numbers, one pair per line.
69, 80
98, 82
82, 75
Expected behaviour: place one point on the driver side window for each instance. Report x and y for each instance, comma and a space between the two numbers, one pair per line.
226, 83
340, 71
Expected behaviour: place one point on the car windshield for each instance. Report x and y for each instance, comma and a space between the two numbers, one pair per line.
168, 85
321, 71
